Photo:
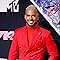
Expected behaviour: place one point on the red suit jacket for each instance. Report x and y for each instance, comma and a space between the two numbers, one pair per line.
41, 41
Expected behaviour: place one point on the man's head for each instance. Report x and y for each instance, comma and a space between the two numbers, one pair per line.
31, 15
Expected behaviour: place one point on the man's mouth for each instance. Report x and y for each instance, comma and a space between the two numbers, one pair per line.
31, 21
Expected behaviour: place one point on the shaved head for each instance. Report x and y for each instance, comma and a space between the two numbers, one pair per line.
31, 7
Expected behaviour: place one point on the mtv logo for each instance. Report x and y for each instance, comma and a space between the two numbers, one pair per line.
9, 6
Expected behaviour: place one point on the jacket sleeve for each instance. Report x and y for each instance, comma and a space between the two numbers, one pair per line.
13, 52
51, 48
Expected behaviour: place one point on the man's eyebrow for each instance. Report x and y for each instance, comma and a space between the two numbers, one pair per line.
27, 15
33, 15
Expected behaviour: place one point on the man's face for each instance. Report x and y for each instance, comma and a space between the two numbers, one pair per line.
31, 17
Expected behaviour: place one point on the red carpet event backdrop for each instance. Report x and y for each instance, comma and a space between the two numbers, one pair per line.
12, 17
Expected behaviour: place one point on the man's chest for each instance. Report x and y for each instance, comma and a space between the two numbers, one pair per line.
36, 43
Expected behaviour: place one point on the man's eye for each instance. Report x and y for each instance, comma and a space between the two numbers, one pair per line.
33, 15
28, 15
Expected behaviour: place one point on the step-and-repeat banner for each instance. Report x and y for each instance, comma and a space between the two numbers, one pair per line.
11, 17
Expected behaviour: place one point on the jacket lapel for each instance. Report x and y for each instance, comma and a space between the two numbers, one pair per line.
36, 36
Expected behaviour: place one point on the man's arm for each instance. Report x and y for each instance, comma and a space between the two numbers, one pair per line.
13, 49
52, 48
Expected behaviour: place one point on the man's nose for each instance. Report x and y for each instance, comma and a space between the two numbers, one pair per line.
31, 18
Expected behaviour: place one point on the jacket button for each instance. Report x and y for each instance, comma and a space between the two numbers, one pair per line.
41, 40
39, 33
38, 48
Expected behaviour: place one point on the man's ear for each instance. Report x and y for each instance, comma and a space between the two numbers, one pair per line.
25, 17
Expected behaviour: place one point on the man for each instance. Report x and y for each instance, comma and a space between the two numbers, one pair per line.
31, 41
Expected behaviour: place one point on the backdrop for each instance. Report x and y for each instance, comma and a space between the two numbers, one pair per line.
11, 19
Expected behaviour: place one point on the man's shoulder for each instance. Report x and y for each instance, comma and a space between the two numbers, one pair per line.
44, 31
20, 29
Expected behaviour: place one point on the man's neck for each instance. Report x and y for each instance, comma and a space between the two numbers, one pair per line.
32, 27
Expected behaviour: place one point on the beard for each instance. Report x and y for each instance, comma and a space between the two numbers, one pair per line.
31, 22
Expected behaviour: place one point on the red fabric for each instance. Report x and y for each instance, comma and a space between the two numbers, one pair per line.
41, 40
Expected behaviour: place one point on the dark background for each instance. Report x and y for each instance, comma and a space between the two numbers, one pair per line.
10, 21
